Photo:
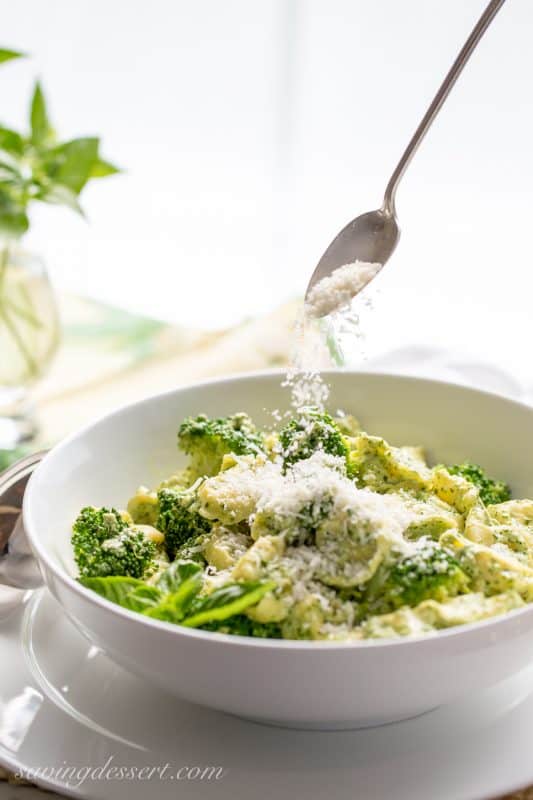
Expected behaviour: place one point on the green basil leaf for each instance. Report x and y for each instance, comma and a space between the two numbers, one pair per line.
101, 169
129, 593
143, 598
57, 194
174, 607
9, 55
231, 599
178, 572
74, 162
42, 132
11, 141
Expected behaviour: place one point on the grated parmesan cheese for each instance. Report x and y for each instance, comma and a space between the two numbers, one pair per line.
256, 487
324, 476
308, 389
336, 291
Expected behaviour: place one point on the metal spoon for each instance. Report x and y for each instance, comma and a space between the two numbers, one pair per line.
373, 236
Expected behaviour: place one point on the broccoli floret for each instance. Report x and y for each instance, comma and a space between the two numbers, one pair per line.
98, 523
431, 573
207, 441
491, 492
178, 519
193, 549
104, 545
312, 430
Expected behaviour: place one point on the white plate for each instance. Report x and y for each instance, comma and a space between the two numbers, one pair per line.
64, 704
326, 685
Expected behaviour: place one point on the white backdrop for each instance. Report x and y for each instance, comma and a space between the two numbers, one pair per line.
252, 130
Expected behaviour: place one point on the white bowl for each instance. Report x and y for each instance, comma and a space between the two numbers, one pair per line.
300, 684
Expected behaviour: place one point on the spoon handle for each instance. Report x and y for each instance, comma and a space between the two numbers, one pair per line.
438, 101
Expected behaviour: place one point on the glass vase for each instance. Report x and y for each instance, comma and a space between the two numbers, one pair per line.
29, 337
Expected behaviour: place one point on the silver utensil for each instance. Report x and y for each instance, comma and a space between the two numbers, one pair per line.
18, 568
373, 236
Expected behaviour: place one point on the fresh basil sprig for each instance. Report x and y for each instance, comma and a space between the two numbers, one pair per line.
225, 602
36, 166
177, 597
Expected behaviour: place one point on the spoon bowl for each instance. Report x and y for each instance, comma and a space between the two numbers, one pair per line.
372, 238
